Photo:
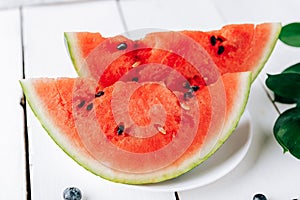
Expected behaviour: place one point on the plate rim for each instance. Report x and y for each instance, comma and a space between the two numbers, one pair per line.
242, 153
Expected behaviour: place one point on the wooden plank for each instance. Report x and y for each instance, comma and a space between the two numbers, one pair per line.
12, 168
18, 3
46, 54
51, 169
169, 14
235, 11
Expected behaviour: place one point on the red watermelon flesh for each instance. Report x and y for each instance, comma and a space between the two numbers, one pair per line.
198, 56
132, 63
180, 133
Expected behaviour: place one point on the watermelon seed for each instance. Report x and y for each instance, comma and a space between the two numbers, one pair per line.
90, 106
122, 46
221, 50
162, 130
136, 79
220, 39
195, 88
99, 94
137, 63
187, 95
81, 104
120, 129
213, 40
186, 85
184, 106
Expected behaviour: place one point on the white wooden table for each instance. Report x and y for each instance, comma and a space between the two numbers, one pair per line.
31, 38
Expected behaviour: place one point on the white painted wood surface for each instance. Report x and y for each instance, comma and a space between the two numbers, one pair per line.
172, 15
12, 156
7, 4
265, 169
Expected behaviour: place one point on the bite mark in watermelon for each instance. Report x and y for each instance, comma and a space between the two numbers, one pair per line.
60, 112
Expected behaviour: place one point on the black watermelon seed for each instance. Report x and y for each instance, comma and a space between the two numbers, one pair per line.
220, 39
221, 50
213, 40
81, 104
90, 106
122, 46
186, 85
120, 129
187, 95
195, 88
99, 94
136, 79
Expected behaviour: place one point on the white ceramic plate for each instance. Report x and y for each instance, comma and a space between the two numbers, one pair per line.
219, 164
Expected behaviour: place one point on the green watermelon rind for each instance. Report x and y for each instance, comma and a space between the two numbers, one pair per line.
227, 131
75, 54
47, 126
276, 29
91, 165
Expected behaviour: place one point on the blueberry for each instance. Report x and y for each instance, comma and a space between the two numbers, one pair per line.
72, 193
259, 197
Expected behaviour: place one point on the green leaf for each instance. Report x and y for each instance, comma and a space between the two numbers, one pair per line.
285, 85
290, 34
281, 99
293, 69
287, 131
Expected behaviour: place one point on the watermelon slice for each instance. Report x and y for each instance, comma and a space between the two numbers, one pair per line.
134, 132
234, 48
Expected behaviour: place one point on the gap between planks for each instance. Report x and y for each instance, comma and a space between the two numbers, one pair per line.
23, 104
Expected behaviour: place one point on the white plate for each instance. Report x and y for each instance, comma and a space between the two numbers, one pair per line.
218, 165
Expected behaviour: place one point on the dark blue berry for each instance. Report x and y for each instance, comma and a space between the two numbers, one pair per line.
259, 197
72, 193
